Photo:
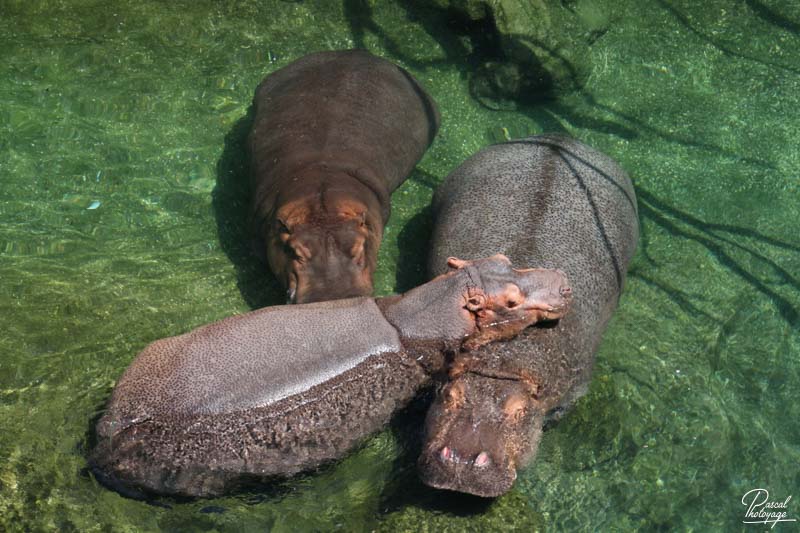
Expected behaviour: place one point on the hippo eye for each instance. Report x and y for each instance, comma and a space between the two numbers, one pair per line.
515, 409
513, 295
451, 399
454, 396
282, 227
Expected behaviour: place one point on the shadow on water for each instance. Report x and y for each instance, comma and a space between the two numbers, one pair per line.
761, 11
480, 58
679, 297
471, 45
729, 246
426, 179
772, 17
413, 243
231, 203
499, 81
361, 20
713, 237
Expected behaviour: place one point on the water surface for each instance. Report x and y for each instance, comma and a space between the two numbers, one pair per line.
121, 130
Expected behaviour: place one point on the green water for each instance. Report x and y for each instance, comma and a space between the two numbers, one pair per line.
121, 128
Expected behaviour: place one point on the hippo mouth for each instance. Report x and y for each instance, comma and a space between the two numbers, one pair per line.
551, 311
532, 314
444, 468
507, 325
454, 460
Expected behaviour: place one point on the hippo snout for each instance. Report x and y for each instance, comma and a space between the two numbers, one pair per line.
564, 288
548, 292
478, 474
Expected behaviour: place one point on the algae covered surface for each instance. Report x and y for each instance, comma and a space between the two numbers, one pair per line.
122, 201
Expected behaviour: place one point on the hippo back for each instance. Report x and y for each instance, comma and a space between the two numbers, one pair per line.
552, 202
344, 108
248, 361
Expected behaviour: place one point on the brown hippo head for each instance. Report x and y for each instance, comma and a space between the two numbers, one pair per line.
324, 254
479, 431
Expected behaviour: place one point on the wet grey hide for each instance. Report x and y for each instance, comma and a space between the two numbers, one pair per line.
548, 201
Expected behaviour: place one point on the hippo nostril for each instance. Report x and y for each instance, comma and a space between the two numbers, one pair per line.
482, 459
566, 290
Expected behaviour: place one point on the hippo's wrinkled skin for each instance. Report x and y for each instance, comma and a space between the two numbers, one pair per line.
334, 134
549, 201
286, 388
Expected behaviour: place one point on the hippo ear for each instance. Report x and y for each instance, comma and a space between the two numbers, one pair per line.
300, 249
357, 252
283, 225
455, 263
283, 230
476, 300
501, 257
352, 211
453, 395
514, 408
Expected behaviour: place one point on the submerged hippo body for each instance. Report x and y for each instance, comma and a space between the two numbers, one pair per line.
334, 134
553, 202
286, 388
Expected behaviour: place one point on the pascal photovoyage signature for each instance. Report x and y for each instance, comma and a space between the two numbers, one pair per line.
761, 510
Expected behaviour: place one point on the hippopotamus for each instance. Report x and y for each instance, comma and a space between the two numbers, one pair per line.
334, 133
287, 388
554, 202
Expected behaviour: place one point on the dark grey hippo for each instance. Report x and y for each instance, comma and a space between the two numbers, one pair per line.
549, 201
286, 388
334, 134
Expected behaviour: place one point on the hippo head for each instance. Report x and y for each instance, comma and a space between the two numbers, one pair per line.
324, 256
503, 300
479, 431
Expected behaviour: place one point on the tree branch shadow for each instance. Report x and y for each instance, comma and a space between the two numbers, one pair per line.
758, 9
413, 243
681, 298
771, 16
231, 203
361, 20
671, 220
470, 45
